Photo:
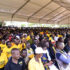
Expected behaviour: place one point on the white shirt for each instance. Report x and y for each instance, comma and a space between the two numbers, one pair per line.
56, 38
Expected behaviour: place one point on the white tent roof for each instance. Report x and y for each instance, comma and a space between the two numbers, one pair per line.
38, 11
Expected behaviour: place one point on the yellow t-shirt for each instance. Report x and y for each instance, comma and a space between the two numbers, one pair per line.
50, 38
34, 65
28, 38
32, 33
30, 53
48, 35
7, 51
3, 60
19, 46
3, 46
59, 35
41, 33
12, 44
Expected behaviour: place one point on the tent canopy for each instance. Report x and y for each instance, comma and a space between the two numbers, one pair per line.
37, 11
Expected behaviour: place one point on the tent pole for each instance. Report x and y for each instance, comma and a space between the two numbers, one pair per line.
19, 9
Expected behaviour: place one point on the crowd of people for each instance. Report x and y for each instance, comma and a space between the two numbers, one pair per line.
34, 48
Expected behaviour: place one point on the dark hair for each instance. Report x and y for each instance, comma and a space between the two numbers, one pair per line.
58, 44
60, 39
22, 51
15, 49
43, 44
7, 42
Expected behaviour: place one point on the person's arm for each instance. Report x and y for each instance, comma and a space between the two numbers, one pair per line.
49, 58
62, 58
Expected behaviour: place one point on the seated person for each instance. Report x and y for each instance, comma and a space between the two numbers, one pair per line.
63, 59
48, 64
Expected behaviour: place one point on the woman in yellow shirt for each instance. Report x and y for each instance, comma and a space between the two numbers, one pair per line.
3, 60
35, 63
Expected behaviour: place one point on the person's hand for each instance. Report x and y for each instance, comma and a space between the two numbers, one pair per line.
51, 62
47, 64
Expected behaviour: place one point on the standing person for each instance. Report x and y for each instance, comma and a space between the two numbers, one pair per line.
34, 45
17, 44
3, 44
7, 50
15, 62
24, 56
56, 37
36, 63
3, 60
50, 50
30, 53
48, 63
63, 59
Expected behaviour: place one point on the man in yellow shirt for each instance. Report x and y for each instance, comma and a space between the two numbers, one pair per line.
3, 60
17, 45
36, 63
8, 49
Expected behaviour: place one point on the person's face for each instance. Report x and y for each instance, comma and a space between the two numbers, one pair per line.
61, 46
16, 54
53, 35
36, 41
39, 55
28, 45
9, 45
24, 54
16, 41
